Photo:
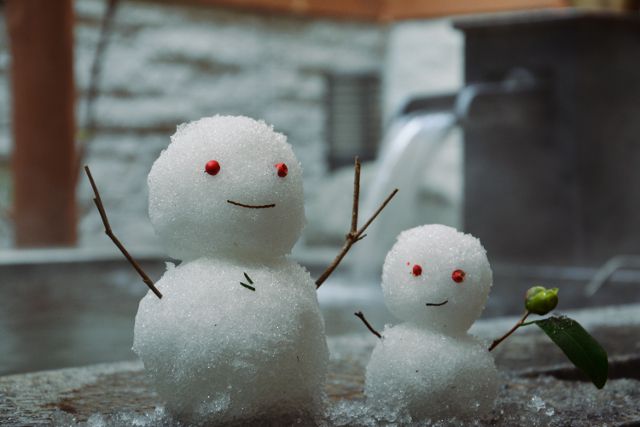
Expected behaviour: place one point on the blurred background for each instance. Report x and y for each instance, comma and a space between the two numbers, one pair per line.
513, 120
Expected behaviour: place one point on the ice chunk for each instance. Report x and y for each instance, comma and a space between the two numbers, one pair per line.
233, 340
437, 265
193, 211
536, 403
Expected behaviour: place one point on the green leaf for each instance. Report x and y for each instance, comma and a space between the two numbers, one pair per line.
579, 346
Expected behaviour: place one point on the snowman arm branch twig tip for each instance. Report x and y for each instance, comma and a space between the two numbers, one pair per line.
356, 195
246, 276
251, 288
355, 234
109, 232
360, 316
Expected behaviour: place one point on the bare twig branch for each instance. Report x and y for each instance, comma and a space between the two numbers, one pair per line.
360, 315
361, 237
251, 288
377, 212
107, 229
356, 195
495, 343
89, 126
246, 276
354, 234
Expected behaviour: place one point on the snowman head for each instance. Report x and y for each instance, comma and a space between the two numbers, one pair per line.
437, 277
227, 187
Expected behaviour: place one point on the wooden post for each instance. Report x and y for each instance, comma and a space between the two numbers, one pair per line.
43, 156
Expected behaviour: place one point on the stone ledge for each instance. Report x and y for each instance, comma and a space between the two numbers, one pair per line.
547, 393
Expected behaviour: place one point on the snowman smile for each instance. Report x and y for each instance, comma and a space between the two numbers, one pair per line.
243, 205
431, 304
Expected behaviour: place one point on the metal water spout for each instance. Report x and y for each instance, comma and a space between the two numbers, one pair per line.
419, 144
519, 82
412, 148
557, 188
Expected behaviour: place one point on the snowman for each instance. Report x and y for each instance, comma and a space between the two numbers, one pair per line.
238, 334
437, 281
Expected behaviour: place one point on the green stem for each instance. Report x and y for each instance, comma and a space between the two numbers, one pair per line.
495, 343
529, 323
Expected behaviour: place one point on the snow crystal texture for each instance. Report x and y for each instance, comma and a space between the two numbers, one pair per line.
218, 350
238, 335
430, 375
190, 209
437, 280
439, 250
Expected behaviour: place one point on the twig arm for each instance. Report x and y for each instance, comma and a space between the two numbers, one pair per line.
107, 229
355, 234
376, 213
350, 240
520, 322
334, 264
356, 195
360, 316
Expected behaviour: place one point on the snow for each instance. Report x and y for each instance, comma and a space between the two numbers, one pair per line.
238, 335
439, 250
430, 375
565, 403
437, 280
191, 210
217, 349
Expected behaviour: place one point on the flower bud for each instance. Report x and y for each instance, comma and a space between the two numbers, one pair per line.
539, 300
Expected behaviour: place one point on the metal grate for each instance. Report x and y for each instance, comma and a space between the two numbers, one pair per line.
353, 117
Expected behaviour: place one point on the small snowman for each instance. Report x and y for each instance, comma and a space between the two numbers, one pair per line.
437, 281
238, 334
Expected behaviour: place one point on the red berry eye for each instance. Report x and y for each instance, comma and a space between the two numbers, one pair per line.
458, 276
282, 170
212, 167
417, 270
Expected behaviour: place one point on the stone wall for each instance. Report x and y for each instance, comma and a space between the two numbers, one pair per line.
423, 58
166, 64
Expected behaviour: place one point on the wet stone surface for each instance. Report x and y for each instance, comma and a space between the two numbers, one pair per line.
539, 388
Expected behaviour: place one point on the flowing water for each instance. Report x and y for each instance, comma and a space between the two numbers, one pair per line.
422, 157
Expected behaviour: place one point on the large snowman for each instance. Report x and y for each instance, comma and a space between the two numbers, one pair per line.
238, 334
437, 281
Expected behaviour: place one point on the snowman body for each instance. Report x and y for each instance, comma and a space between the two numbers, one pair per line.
227, 352
434, 377
437, 280
238, 334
